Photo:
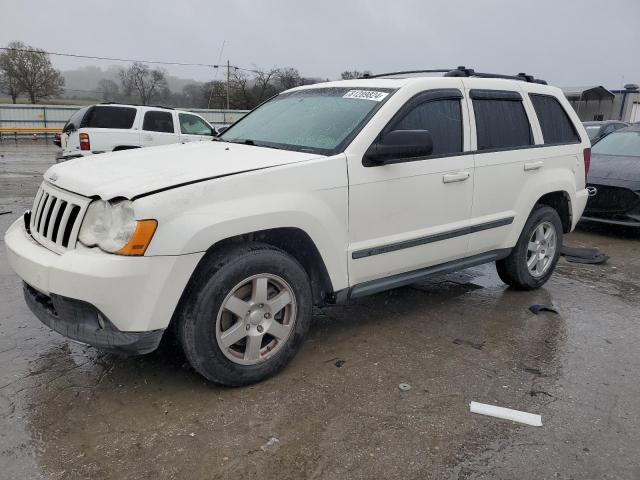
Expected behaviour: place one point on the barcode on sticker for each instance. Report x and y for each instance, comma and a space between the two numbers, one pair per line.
366, 95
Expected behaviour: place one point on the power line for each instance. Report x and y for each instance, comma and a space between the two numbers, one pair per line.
115, 59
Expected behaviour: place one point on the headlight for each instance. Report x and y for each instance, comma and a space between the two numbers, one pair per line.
112, 227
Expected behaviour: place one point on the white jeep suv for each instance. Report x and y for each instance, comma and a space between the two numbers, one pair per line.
108, 127
325, 193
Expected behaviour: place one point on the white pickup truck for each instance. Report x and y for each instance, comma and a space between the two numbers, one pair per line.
324, 193
112, 127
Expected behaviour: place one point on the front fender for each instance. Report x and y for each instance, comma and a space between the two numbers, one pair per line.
195, 217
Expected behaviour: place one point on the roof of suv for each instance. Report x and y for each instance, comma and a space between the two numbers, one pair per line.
395, 83
115, 104
391, 80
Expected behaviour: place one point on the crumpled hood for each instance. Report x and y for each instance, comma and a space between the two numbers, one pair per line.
615, 170
131, 173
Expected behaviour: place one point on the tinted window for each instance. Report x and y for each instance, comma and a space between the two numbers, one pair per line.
193, 125
109, 117
75, 121
158, 122
443, 118
501, 123
554, 121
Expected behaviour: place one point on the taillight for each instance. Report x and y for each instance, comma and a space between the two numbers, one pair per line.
587, 161
84, 142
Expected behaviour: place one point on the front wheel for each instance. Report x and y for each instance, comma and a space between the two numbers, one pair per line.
534, 258
246, 316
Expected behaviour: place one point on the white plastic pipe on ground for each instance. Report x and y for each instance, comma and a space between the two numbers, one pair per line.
507, 414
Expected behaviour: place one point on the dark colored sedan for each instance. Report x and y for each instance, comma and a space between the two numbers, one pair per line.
614, 179
598, 130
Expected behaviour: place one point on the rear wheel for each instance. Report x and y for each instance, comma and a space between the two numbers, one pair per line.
246, 316
536, 254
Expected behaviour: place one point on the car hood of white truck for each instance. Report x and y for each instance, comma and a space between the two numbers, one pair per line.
132, 173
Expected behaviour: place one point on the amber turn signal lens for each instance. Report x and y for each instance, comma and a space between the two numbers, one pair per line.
140, 239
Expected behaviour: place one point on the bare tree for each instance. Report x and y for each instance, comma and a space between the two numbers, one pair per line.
28, 69
354, 74
143, 81
288, 78
214, 94
241, 96
192, 95
108, 89
264, 87
9, 81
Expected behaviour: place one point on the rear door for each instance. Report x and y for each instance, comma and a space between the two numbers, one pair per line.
158, 128
193, 128
503, 141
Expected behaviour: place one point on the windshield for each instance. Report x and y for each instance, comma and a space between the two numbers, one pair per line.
592, 131
318, 120
619, 143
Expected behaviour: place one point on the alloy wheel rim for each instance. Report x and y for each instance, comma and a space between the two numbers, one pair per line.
541, 249
256, 319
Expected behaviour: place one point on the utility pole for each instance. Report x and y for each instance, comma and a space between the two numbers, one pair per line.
228, 70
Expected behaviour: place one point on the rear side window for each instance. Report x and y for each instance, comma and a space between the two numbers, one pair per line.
443, 118
158, 122
109, 117
75, 121
501, 120
554, 121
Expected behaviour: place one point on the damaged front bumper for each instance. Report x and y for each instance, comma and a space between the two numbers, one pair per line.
84, 323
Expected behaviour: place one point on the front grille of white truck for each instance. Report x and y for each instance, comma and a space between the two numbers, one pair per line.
56, 218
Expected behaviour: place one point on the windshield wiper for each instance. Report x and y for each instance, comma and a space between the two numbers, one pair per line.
248, 141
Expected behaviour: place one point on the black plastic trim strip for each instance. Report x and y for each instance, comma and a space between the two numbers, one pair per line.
478, 94
407, 278
458, 232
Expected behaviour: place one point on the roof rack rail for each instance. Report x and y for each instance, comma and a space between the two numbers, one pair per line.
462, 71
469, 72
405, 72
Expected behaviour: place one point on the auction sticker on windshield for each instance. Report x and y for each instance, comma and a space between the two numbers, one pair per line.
365, 95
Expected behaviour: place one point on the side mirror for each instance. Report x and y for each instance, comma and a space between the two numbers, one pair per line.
221, 130
399, 146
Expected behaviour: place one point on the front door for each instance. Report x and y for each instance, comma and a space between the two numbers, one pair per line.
193, 128
410, 215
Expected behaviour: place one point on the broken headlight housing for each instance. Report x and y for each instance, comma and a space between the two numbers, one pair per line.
108, 225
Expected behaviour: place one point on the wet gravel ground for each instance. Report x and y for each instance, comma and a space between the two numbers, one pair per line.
69, 411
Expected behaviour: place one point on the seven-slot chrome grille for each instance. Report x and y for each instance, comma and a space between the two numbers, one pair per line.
56, 217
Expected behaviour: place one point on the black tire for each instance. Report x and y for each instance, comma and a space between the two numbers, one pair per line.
513, 270
214, 280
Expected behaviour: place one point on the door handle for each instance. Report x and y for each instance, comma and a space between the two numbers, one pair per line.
533, 165
455, 177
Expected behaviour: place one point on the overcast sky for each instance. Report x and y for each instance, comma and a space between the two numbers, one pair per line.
567, 42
